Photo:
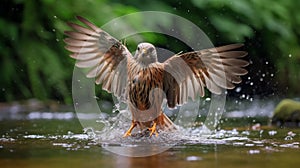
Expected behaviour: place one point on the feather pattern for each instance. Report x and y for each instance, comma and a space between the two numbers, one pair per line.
143, 82
103, 54
214, 68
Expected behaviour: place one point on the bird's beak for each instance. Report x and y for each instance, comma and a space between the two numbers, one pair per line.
144, 51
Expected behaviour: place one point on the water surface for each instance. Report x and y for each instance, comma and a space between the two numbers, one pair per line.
56, 139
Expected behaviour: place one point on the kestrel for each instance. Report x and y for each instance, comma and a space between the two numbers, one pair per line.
143, 82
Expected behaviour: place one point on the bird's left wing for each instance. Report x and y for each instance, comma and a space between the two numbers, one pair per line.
187, 74
105, 56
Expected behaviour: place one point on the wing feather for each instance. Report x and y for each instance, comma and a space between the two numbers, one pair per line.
104, 55
214, 68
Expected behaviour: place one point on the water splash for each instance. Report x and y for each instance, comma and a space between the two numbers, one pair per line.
115, 127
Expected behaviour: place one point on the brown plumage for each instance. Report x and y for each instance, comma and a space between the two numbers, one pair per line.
144, 82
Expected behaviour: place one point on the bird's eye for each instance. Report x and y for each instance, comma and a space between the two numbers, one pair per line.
138, 48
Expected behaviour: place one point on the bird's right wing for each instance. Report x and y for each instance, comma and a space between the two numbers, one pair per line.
187, 74
105, 56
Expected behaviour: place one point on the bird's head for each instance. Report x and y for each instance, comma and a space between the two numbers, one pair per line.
145, 54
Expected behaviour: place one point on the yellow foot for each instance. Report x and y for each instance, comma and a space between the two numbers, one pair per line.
128, 133
153, 130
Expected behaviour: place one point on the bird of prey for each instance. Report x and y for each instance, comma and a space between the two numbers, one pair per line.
143, 82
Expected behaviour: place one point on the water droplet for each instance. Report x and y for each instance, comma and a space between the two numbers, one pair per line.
288, 138
272, 132
256, 126
292, 134
90, 132
255, 151
249, 145
245, 133
248, 96
193, 158
70, 133
261, 132
234, 132
290, 55
238, 89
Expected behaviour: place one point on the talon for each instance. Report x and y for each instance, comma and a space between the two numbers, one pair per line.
153, 130
128, 133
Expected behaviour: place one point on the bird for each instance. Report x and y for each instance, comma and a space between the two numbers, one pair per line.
143, 82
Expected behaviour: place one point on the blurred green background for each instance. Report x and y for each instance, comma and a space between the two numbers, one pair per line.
34, 63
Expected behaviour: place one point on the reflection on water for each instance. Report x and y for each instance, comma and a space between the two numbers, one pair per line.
226, 148
56, 139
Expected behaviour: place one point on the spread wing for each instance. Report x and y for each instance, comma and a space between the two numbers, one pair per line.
187, 74
105, 56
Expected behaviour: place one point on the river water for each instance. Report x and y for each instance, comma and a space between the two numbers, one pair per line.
41, 139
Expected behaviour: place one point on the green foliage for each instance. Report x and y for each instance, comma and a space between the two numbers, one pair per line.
271, 25
34, 63
287, 110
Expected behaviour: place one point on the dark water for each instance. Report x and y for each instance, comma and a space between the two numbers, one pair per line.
49, 139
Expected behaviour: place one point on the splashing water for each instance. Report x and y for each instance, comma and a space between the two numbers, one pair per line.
116, 126
110, 136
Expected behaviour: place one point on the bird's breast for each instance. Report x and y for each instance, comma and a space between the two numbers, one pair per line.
142, 82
